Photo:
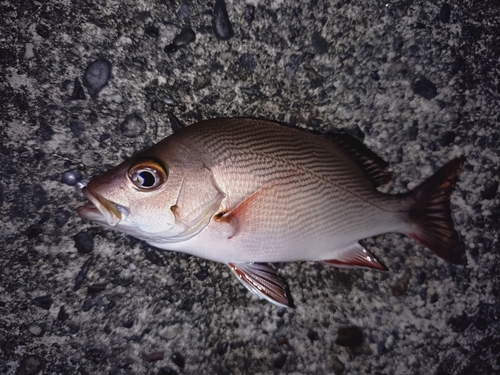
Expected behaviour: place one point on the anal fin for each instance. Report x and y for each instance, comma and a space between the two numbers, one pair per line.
262, 280
354, 256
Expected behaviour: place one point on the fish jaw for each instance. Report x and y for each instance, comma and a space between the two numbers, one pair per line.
102, 210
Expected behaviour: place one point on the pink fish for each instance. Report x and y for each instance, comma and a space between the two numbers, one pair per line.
249, 192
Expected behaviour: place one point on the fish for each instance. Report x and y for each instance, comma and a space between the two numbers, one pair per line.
251, 192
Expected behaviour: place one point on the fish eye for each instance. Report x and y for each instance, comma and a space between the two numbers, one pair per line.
147, 174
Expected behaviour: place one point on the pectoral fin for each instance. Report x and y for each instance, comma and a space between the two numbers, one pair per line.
354, 256
262, 280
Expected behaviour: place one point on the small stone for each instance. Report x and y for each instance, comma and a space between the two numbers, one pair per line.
249, 13
247, 62
77, 128
42, 30
280, 361
185, 37
96, 354
445, 13
424, 88
490, 191
126, 362
178, 359
202, 274
400, 287
133, 126
78, 91
71, 177
184, 11
44, 302
36, 330
222, 348
292, 67
30, 365
73, 328
154, 357
96, 76
7, 57
166, 98
169, 49
175, 123
63, 315
29, 53
152, 31
169, 332
222, 27
350, 336
447, 138
96, 288
313, 335
166, 370
33, 231
319, 44
90, 303
129, 323
80, 278
84, 242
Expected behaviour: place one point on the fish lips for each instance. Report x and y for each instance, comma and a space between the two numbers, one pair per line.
101, 209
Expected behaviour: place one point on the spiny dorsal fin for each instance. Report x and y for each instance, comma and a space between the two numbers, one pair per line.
373, 165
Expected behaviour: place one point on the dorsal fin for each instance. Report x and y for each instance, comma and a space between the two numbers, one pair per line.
373, 165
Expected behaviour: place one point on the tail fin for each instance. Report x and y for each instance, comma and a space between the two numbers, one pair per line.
430, 215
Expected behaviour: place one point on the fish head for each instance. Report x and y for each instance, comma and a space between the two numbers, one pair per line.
136, 197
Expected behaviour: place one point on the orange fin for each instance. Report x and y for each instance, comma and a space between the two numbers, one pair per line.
355, 256
236, 216
430, 216
262, 280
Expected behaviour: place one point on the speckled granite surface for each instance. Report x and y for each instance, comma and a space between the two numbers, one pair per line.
417, 81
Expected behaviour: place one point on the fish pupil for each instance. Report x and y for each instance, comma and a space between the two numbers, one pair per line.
146, 179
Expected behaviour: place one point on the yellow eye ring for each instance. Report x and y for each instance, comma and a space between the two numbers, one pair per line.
147, 174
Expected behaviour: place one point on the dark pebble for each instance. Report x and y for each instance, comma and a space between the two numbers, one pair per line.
178, 359
154, 357
445, 13
166, 98
222, 348
434, 298
425, 88
175, 123
78, 91
185, 37
459, 323
96, 76
84, 242
249, 13
319, 44
96, 288
30, 365
7, 57
312, 335
42, 30
33, 231
96, 354
43, 302
126, 362
63, 315
71, 177
280, 361
107, 329
202, 274
184, 11
413, 50
247, 62
158, 106
152, 31
129, 323
490, 191
166, 370
169, 49
223, 29
447, 138
91, 302
374, 75
458, 65
350, 336
292, 67
45, 131
80, 278
397, 44
77, 128
133, 126
73, 328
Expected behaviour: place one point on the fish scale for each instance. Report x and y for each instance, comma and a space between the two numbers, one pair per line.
250, 192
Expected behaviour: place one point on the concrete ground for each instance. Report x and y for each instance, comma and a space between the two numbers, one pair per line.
417, 81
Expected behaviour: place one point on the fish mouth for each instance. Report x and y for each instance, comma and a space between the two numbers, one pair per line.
101, 210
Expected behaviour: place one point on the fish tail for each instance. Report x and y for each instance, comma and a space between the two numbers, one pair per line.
429, 216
